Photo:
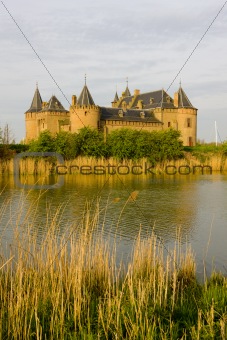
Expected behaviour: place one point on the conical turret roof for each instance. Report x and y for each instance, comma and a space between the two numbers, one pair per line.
54, 105
116, 98
183, 100
85, 97
36, 104
127, 92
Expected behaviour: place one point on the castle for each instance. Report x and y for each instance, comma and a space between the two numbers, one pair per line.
142, 111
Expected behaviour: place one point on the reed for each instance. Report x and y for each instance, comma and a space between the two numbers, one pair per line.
41, 166
68, 286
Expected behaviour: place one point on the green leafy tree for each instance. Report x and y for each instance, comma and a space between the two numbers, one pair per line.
171, 147
90, 142
122, 143
157, 146
44, 143
66, 144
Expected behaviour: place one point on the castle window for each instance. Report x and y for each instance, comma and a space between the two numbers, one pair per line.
169, 124
189, 123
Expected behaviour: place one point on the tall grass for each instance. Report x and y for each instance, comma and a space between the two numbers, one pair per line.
41, 166
68, 286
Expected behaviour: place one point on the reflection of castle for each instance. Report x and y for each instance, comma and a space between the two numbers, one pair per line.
148, 111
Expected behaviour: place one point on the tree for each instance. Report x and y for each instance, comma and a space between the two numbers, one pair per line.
122, 143
66, 145
157, 146
44, 143
6, 135
90, 142
6, 138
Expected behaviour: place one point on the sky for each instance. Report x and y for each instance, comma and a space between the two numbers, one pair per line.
149, 42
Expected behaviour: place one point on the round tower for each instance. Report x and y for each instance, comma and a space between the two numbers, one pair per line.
84, 112
31, 116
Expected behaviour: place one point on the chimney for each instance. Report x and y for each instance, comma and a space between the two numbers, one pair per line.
136, 92
176, 99
74, 100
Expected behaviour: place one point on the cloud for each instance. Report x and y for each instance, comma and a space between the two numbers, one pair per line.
147, 41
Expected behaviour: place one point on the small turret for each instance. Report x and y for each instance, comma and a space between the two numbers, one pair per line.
116, 99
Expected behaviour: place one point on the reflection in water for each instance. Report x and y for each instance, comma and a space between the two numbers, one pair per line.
196, 204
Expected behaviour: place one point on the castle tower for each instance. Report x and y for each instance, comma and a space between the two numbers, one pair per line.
31, 116
84, 112
186, 117
53, 117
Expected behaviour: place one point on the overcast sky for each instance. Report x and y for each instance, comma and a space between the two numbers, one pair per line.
145, 40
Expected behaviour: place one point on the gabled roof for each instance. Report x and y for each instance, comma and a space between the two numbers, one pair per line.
85, 97
109, 113
183, 100
36, 104
151, 100
54, 105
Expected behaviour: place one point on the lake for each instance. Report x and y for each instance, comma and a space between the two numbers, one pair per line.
196, 204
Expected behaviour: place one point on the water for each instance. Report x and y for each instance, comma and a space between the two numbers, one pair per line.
194, 203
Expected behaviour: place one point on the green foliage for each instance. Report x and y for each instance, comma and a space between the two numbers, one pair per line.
123, 143
204, 148
65, 144
44, 143
90, 142
157, 146
19, 147
5, 152
224, 147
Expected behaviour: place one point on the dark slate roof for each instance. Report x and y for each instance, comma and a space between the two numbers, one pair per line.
116, 98
183, 100
85, 97
109, 113
127, 92
151, 100
36, 104
54, 105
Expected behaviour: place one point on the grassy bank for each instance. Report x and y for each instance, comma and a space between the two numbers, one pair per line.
67, 286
